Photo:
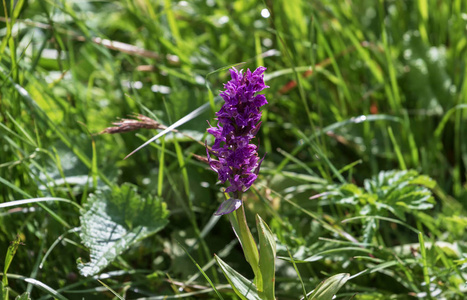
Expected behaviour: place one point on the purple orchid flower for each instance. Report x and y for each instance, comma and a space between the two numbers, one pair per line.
238, 122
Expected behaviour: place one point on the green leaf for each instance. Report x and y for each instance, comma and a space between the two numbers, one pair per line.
111, 290
228, 206
3, 290
115, 220
398, 192
402, 191
250, 250
8, 259
243, 287
24, 296
267, 256
9, 256
329, 287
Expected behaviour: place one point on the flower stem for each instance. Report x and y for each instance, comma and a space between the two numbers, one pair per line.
250, 249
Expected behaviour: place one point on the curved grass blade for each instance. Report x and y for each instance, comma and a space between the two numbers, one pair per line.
36, 200
180, 122
445, 119
39, 285
322, 254
384, 219
55, 243
298, 273
202, 272
48, 210
111, 290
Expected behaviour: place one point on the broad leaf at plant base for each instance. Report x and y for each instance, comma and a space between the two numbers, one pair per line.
243, 287
329, 287
113, 220
267, 256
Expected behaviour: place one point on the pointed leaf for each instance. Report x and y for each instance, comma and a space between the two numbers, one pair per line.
4, 289
9, 257
243, 287
267, 256
228, 206
114, 220
329, 287
250, 250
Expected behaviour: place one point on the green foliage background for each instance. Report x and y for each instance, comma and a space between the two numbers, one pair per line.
357, 89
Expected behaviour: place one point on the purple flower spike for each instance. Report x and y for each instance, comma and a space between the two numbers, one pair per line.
238, 122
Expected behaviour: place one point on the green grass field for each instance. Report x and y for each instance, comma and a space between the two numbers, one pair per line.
365, 134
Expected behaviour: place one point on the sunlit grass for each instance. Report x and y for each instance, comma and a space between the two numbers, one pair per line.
356, 88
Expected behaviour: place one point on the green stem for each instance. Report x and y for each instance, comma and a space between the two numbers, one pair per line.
250, 249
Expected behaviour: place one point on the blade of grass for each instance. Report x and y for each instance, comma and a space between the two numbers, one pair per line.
298, 274
202, 272
36, 200
426, 276
111, 290
399, 156
38, 284
183, 120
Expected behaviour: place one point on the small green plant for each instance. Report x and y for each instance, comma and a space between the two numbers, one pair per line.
237, 162
390, 193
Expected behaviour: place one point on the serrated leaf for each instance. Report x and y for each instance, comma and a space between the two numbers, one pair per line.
24, 296
113, 220
267, 256
329, 287
424, 181
243, 287
403, 190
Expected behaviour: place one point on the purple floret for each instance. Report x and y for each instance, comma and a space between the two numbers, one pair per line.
238, 122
